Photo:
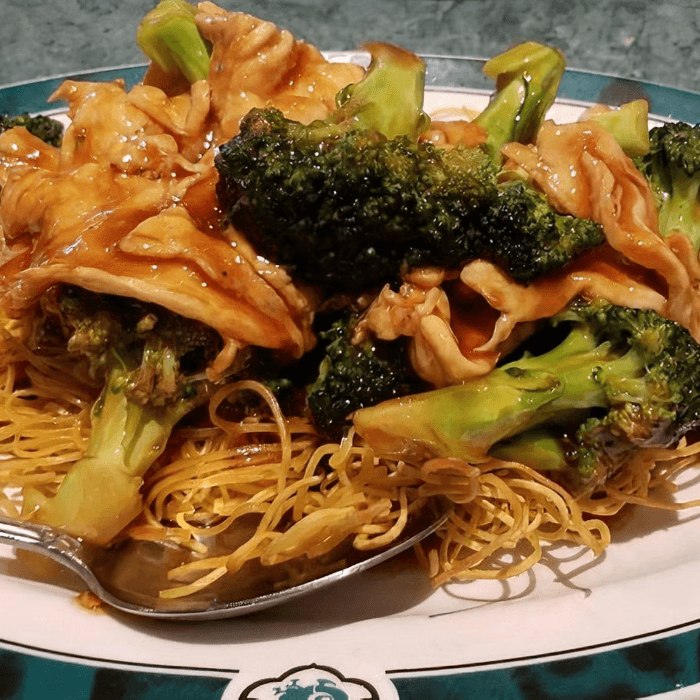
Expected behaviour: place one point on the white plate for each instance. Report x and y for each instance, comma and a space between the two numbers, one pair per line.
625, 625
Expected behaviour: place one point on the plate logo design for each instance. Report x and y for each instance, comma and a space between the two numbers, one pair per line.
311, 682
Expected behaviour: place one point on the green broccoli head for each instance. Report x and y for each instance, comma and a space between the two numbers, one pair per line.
352, 376
524, 236
351, 202
352, 213
155, 351
654, 407
676, 144
48, 130
345, 214
619, 380
672, 168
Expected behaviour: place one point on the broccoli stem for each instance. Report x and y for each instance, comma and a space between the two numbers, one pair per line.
629, 126
389, 99
527, 80
99, 495
679, 208
537, 448
168, 35
467, 420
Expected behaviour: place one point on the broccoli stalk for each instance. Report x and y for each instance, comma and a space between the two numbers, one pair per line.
672, 168
168, 35
99, 495
629, 126
539, 448
527, 80
151, 360
389, 99
622, 379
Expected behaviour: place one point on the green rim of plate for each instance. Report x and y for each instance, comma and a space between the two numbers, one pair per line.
658, 662
442, 72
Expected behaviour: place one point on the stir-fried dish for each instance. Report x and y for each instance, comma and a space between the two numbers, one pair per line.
263, 297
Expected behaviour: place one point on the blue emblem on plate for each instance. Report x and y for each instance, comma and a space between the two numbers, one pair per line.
310, 683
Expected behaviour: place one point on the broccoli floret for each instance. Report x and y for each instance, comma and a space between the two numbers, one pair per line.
48, 130
522, 234
155, 349
341, 205
672, 168
620, 380
352, 376
152, 363
168, 35
344, 214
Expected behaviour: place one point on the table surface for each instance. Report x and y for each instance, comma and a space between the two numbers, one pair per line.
641, 39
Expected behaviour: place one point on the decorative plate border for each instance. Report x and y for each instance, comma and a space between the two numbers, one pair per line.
639, 668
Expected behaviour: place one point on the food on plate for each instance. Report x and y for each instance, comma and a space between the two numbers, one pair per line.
321, 199
672, 167
262, 300
634, 373
46, 129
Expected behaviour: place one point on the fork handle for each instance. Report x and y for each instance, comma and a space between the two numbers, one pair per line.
47, 541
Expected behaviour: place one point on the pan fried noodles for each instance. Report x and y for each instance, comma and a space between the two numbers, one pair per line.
149, 225
308, 495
